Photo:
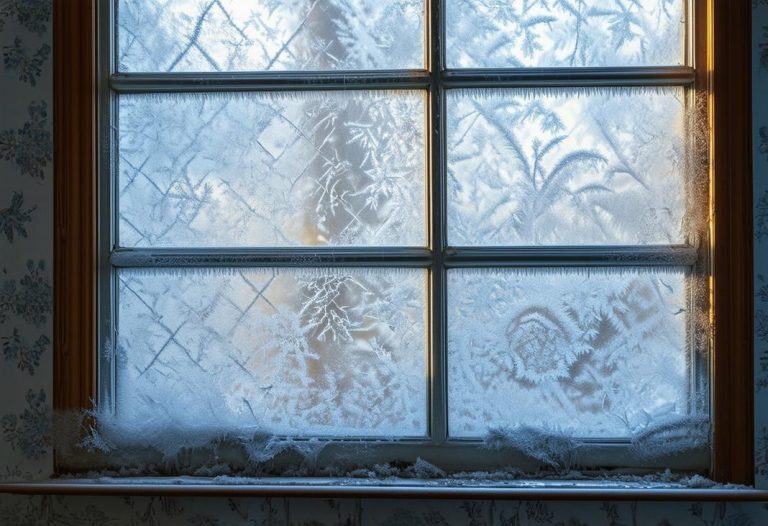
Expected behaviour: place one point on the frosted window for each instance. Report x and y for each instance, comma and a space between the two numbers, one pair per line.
269, 169
312, 352
566, 167
270, 35
599, 352
564, 33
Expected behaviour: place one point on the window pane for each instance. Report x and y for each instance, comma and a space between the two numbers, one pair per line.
559, 33
271, 169
599, 352
566, 166
312, 352
269, 35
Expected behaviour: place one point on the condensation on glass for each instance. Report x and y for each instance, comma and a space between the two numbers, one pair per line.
270, 35
547, 33
272, 169
336, 352
567, 166
592, 352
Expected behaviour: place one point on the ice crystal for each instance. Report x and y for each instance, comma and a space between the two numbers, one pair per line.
308, 352
568, 167
672, 436
602, 352
282, 35
569, 33
273, 169
551, 448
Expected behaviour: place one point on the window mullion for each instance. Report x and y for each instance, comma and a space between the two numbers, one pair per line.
438, 348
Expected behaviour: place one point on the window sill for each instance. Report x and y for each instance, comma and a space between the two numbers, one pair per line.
388, 488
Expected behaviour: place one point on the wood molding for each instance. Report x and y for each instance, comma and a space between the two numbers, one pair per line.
74, 183
731, 99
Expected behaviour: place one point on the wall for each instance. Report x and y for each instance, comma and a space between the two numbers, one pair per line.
25, 333
760, 192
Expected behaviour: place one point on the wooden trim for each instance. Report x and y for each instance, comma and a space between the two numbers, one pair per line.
330, 488
74, 245
733, 393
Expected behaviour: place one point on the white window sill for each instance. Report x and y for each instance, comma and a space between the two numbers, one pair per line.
387, 488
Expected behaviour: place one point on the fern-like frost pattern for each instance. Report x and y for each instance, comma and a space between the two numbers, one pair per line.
332, 352
567, 167
600, 352
564, 33
268, 169
270, 35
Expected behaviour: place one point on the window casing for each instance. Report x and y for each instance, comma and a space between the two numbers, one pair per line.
472, 257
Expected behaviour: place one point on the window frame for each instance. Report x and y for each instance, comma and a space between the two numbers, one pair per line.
80, 95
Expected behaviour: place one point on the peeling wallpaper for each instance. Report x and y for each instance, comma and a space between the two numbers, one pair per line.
25, 338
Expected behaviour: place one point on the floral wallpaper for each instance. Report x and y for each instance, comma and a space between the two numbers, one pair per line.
760, 194
26, 363
26, 216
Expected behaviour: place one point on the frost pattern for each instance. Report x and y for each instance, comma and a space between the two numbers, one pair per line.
551, 448
598, 352
338, 352
565, 167
564, 33
270, 35
272, 169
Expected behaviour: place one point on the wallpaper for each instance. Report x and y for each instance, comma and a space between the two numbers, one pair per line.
25, 342
26, 216
760, 195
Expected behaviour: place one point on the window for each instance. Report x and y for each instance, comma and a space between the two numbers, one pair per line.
430, 221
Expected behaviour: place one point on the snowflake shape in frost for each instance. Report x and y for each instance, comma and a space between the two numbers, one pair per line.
543, 347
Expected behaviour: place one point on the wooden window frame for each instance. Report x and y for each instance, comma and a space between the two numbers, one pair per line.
727, 73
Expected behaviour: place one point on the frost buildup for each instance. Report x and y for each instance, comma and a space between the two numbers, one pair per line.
671, 437
601, 352
297, 352
546, 33
272, 169
568, 166
270, 35
552, 448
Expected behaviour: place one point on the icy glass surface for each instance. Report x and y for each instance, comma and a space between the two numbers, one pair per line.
269, 35
599, 353
566, 167
312, 352
564, 33
270, 169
